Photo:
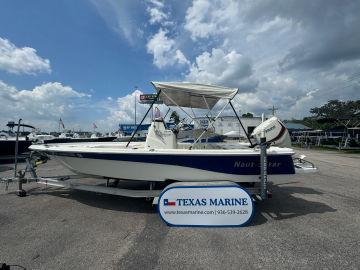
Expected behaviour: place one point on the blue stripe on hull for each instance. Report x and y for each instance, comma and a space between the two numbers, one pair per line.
240, 165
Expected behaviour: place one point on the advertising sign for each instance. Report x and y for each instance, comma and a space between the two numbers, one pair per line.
149, 98
221, 204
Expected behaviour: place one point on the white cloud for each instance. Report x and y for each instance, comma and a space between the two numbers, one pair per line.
21, 60
219, 67
293, 96
123, 111
250, 102
180, 58
289, 49
42, 105
301, 106
204, 18
156, 12
159, 13
278, 24
274, 52
121, 17
156, 15
157, 3
240, 44
277, 92
164, 50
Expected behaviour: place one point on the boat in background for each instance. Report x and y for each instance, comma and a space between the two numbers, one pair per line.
8, 141
73, 137
40, 137
7, 145
27, 138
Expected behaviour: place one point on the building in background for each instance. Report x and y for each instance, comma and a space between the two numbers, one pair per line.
294, 127
128, 129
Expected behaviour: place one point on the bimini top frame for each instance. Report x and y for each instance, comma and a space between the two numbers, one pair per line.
191, 95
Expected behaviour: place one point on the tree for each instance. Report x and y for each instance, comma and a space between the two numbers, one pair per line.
175, 117
335, 113
248, 115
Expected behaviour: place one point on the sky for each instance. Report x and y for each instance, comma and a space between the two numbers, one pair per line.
86, 61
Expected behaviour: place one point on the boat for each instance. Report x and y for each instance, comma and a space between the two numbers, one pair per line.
162, 158
40, 137
7, 145
69, 137
8, 142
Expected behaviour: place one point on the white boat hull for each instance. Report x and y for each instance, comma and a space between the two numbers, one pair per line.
114, 160
147, 171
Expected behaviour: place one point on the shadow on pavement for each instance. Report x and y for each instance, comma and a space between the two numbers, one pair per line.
288, 201
105, 201
4, 168
285, 204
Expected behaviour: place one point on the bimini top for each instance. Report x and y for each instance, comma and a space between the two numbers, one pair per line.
193, 95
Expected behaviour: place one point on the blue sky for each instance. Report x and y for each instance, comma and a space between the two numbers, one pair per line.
83, 51
81, 60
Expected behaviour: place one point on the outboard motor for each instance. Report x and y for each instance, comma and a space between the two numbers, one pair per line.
275, 132
159, 137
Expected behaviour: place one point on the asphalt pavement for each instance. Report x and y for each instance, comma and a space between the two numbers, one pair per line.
312, 222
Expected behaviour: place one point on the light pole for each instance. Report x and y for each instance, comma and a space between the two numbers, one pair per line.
136, 88
273, 110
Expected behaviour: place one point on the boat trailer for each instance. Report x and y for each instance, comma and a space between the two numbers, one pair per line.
29, 175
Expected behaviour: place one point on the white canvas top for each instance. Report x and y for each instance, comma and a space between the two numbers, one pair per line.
192, 95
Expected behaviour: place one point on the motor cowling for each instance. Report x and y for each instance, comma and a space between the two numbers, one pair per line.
274, 131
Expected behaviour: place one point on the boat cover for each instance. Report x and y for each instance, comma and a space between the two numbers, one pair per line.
192, 95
